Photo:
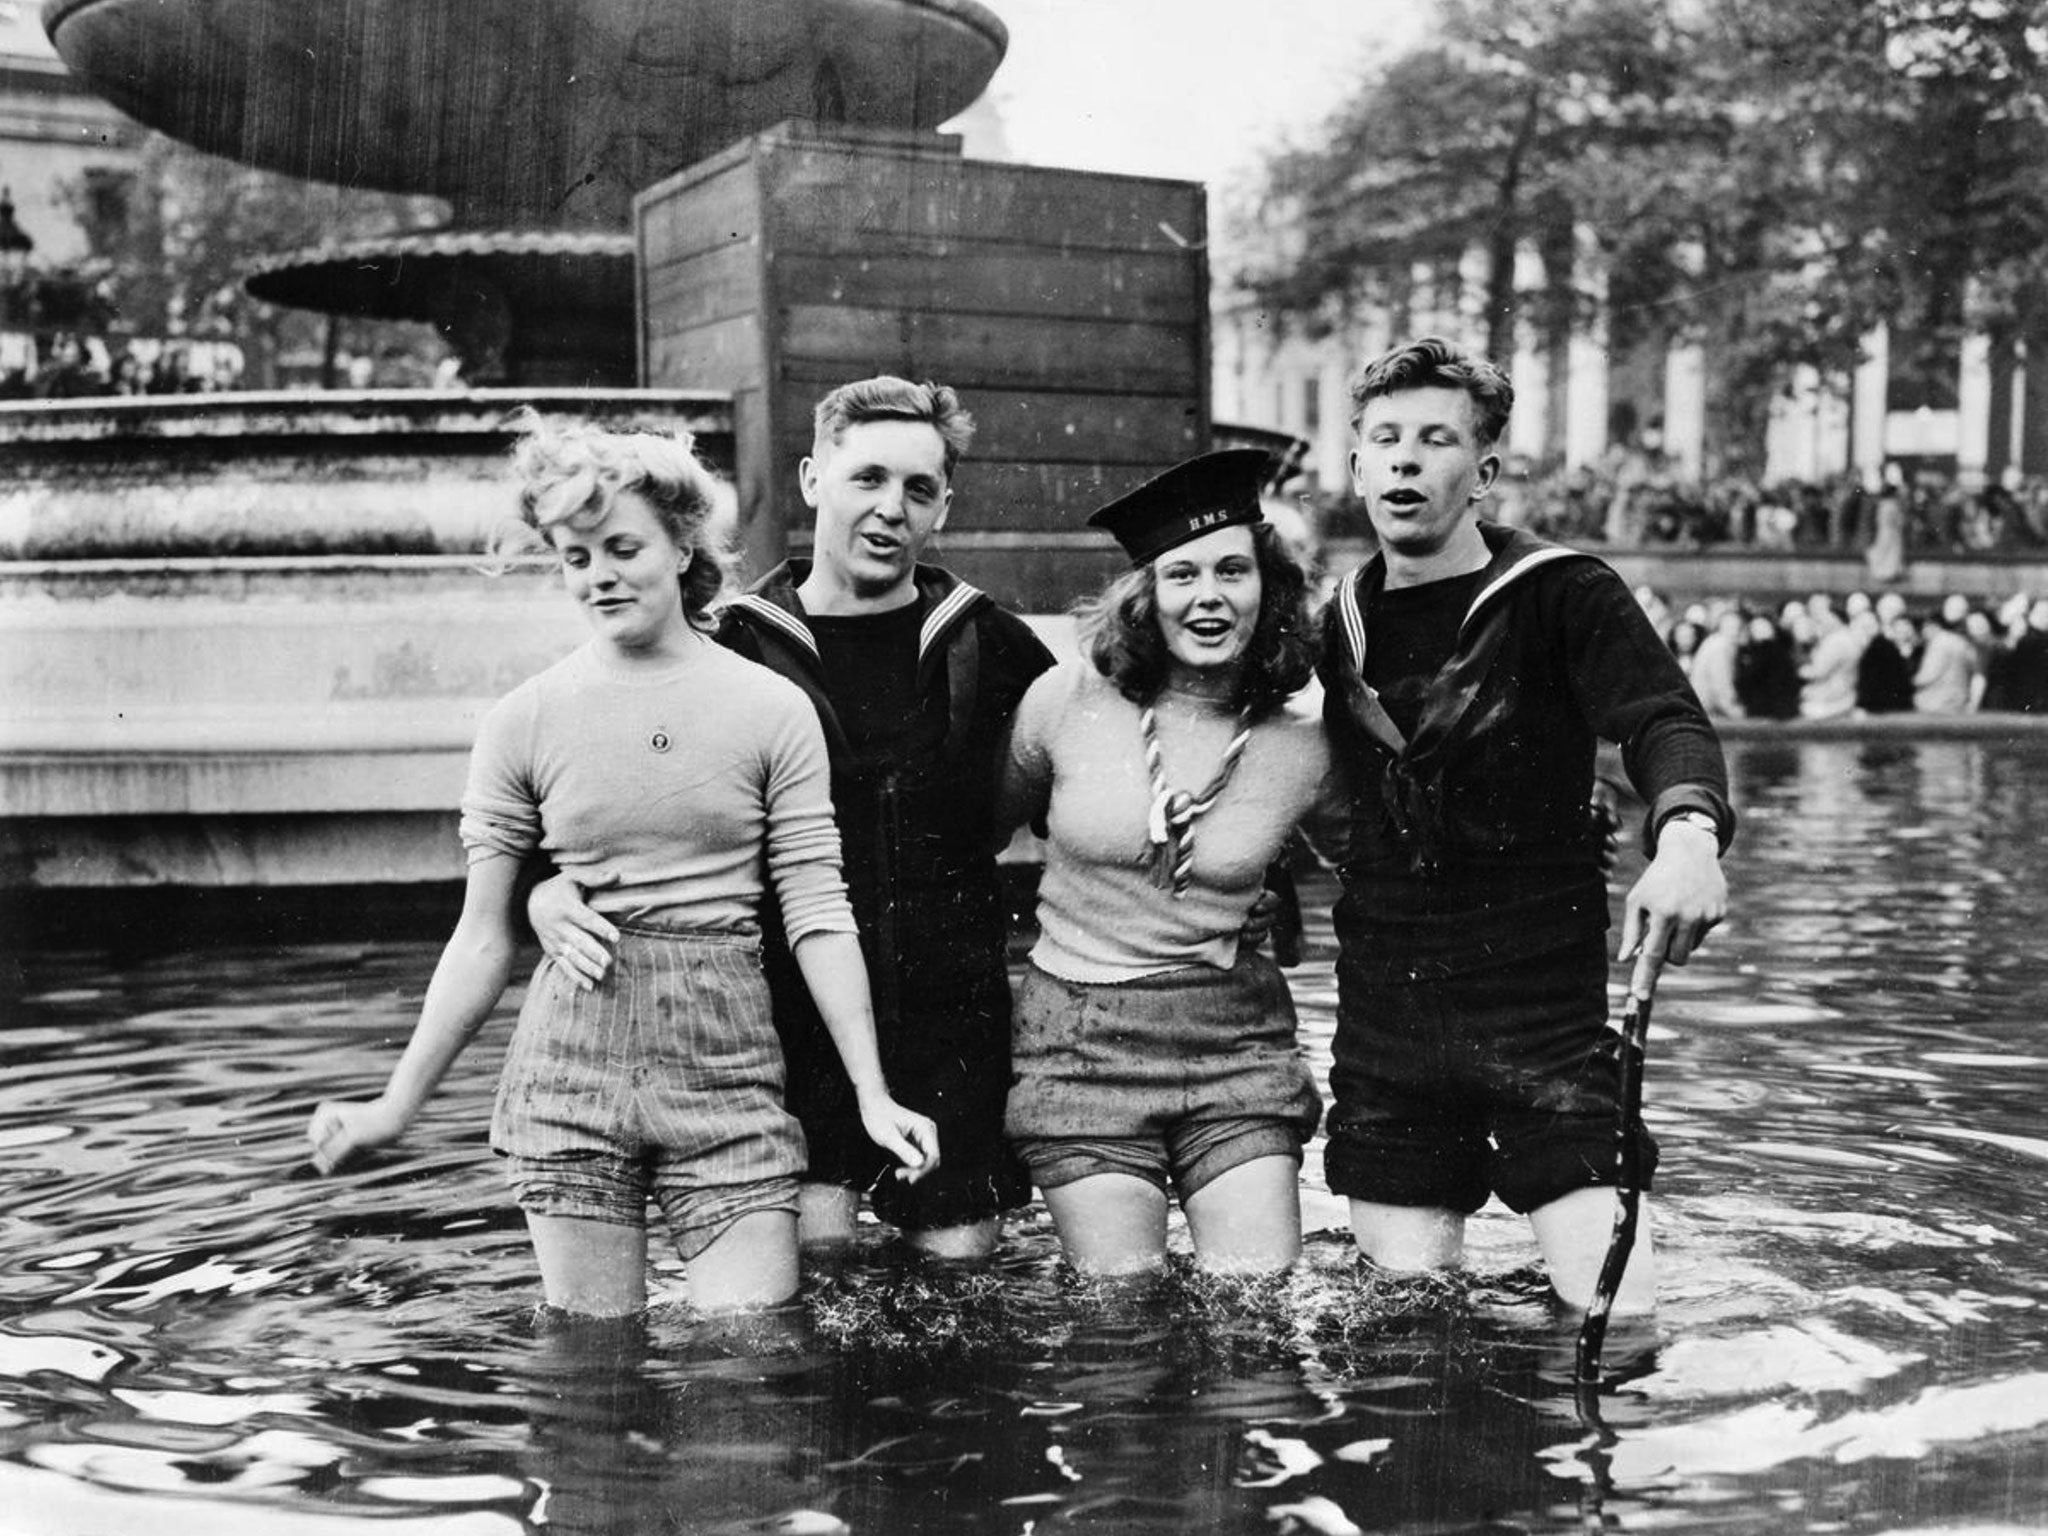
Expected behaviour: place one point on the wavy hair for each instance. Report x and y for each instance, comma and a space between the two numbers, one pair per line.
888, 398
571, 473
1430, 362
1120, 632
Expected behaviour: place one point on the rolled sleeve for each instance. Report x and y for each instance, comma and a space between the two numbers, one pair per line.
500, 805
804, 860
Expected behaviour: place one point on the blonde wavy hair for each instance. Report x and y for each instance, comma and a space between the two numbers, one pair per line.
571, 473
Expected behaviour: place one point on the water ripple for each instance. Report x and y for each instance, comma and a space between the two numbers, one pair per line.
196, 1336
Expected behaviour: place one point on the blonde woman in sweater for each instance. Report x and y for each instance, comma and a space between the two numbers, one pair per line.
670, 775
1155, 1054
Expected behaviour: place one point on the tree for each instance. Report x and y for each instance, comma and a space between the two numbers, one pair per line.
170, 249
1769, 180
1519, 122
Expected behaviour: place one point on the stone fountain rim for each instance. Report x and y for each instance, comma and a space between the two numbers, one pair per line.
453, 241
339, 412
404, 276
969, 13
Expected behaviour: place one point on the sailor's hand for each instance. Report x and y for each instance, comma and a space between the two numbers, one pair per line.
1677, 902
571, 934
339, 1131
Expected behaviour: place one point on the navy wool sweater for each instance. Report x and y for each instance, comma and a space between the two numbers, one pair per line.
1469, 839
916, 813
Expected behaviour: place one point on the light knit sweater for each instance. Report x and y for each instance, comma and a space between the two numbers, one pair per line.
664, 790
1077, 759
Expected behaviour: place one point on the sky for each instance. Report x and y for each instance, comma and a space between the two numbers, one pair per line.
1180, 88
1193, 89
21, 29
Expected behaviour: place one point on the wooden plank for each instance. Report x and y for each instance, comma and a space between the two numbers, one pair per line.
1085, 426
786, 432
990, 496
712, 285
1069, 309
998, 279
764, 521
1037, 580
716, 216
1012, 497
993, 351
828, 200
726, 355
702, 216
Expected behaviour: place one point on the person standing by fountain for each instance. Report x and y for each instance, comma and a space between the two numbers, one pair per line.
1155, 1047
1469, 674
915, 675
665, 1080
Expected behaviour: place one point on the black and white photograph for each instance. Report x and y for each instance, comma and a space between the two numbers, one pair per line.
1007, 767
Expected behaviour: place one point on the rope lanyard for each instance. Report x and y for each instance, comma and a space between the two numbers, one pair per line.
1170, 825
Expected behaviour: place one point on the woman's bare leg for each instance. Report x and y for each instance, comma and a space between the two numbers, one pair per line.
1247, 1220
752, 1263
591, 1268
1110, 1223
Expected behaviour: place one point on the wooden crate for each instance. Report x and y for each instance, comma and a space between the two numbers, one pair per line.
1069, 308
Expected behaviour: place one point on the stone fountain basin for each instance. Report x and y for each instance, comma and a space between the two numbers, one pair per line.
551, 109
245, 639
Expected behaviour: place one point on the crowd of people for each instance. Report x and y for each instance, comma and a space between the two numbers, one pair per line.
1820, 659
76, 365
1635, 500
761, 835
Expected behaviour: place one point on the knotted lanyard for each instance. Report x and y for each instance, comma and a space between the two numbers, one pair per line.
1170, 825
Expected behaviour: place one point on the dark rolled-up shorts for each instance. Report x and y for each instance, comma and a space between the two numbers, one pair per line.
946, 1054
1194, 1071
663, 1082
1461, 1082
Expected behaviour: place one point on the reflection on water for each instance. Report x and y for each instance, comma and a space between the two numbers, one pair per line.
196, 1337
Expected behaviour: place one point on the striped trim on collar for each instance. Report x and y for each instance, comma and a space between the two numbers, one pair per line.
1352, 617
792, 627
948, 609
1528, 562
944, 612
1351, 613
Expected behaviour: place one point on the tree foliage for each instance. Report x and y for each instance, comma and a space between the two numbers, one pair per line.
1768, 180
170, 251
